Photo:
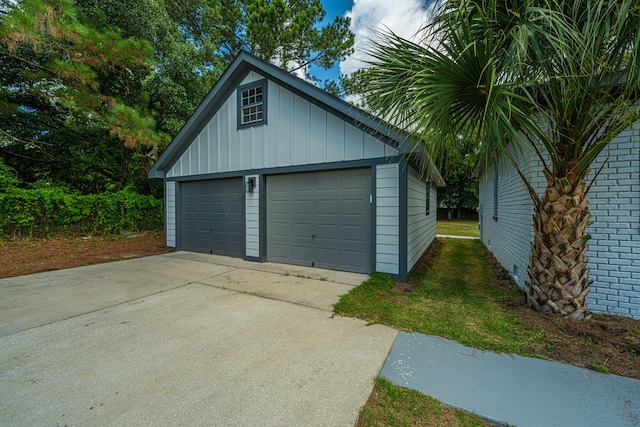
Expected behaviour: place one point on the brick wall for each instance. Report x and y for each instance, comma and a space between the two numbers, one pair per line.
506, 226
614, 250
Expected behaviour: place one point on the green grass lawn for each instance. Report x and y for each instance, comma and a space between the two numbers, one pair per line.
458, 227
454, 299
392, 405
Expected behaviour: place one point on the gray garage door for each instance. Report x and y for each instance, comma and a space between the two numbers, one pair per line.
321, 219
212, 216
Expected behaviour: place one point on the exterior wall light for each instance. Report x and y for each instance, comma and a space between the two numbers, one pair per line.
250, 184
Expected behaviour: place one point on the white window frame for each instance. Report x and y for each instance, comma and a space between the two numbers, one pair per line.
252, 103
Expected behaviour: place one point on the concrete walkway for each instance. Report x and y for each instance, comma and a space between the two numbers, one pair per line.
512, 390
184, 339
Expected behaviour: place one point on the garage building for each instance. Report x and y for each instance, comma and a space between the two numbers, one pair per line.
272, 168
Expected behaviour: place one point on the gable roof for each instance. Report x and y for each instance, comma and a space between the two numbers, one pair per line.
232, 78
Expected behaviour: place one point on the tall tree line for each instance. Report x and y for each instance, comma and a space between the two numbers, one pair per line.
91, 91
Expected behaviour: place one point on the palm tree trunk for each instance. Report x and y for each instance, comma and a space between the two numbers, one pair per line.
557, 270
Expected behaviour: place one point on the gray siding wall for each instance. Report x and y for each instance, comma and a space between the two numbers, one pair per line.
421, 228
297, 133
615, 208
387, 218
252, 219
170, 213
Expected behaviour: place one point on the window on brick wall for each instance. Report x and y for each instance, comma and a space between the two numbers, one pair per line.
428, 198
496, 182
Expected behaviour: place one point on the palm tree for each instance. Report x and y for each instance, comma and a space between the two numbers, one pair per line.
557, 78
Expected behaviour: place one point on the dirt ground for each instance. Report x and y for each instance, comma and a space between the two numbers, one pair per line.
27, 256
604, 343
609, 343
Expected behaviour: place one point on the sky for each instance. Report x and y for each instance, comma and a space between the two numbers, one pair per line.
403, 17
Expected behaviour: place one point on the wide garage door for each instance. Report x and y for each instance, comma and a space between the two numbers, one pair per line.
212, 216
321, 219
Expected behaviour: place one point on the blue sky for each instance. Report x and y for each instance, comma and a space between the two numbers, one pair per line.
403, 17
334, 8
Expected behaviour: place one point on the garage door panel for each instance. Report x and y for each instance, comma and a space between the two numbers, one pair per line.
235, 227
200, 192
302, 206
323, 181
302, 230
219, 207
236, 204
219, 227
279, 252
326, 232
236, 248
328, 212
352, 183
352, 207
219, 191
303, 184
219, 245
351, 259
279, 208
326, 207
301, 253
203, 226
203, 245
352, 233
326, 256
189, 241
280, 230
212, 216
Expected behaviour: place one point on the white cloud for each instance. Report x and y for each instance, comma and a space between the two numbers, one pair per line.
404, 17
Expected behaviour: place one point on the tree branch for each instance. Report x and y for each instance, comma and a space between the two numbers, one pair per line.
106, 173
30, 142
26, 61
311, 61
22, 156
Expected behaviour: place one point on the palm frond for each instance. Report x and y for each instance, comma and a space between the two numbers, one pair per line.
557, 74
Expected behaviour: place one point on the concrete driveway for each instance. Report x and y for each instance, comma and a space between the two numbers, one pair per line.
184, 339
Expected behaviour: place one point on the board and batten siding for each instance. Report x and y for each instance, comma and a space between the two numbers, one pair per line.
252, 219
387, 218
614, 249
421, 228
170, 213
297, 133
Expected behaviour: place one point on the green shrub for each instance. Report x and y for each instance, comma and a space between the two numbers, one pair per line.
8, 177
46, 210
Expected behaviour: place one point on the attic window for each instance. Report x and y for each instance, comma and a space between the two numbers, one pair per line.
252, 103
